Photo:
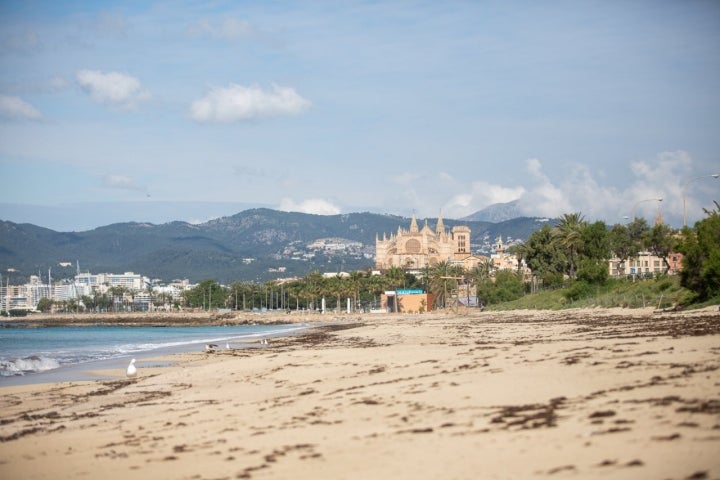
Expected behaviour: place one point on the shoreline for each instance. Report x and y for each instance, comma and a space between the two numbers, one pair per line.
159, 319
86, 370
586, 393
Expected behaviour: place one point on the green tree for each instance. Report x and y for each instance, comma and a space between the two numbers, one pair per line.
661, 241
637, 230
621, 245
395, 278
442, 281
45, 304
544, 256
481, 272
568, 234
593, 270
595, 253
701, 256
595, 241
207, 294
507, 286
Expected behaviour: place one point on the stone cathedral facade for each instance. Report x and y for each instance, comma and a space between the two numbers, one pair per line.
416, 248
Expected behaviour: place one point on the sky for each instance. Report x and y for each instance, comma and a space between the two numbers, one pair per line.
154, 111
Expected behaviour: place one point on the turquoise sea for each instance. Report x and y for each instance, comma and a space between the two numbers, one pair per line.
26, 353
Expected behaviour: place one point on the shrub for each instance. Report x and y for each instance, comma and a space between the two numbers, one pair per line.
577, 290
552, 279
593, 271
701, 263
507, 286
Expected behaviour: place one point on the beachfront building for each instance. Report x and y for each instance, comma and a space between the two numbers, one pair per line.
407, 301
415, 248
645, 264
27, 297
127, 280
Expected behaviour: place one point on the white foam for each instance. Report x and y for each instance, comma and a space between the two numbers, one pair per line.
31, 364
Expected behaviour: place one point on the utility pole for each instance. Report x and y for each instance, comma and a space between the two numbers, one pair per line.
457, 289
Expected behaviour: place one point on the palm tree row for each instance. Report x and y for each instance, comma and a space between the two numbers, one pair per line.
363, 288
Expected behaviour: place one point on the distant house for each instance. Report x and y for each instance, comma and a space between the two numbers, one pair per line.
645, 264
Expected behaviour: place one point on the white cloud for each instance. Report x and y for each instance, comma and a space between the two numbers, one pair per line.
577, 190
236, 103
315, 206
225, 29
121, 182
16, 108
112, 88
543, 198
664, 177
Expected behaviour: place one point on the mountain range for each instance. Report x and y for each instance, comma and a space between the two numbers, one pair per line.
253, 245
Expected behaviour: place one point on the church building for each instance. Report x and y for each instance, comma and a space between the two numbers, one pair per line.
416, 248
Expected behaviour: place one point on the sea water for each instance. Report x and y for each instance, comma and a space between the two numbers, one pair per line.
26, 352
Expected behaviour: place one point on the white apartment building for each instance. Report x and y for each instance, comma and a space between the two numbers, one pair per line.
27, 296
102, 281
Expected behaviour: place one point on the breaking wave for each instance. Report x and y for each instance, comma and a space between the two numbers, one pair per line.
23, 366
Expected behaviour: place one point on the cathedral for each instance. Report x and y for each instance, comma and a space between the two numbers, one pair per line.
416, 248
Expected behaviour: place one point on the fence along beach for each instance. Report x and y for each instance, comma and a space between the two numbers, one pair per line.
525, 394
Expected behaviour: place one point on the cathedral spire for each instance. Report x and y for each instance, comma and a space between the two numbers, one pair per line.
413, 224
440, 228
658, 218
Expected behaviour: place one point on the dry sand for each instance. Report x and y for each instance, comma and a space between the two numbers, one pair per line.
571, 394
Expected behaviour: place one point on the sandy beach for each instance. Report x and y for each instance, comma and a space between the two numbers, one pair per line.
527, 394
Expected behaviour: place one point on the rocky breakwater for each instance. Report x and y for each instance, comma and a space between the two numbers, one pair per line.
160, 319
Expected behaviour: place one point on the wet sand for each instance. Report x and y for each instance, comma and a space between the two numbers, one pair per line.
571, 394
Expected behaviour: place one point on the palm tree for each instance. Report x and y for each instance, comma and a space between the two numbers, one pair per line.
482, 271
356, 281
395, 277
442, 281
568, 233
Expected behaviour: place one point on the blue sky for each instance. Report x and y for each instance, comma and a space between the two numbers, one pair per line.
159, 111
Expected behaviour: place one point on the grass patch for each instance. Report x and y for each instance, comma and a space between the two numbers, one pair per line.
662, 293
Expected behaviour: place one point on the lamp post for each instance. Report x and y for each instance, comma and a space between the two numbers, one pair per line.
646, 200
684, 191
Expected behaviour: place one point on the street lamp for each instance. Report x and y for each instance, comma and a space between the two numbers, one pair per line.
646, 200
684, 190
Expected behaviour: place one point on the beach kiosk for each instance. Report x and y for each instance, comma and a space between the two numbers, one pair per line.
407, 301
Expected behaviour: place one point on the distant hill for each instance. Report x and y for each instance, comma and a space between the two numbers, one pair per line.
498, 212
253, 245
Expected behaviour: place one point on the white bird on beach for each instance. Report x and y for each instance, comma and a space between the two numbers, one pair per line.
210, 347
131, 370
227, 346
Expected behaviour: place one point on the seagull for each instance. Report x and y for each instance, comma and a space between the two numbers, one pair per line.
227, 346
210, 347
131, 370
